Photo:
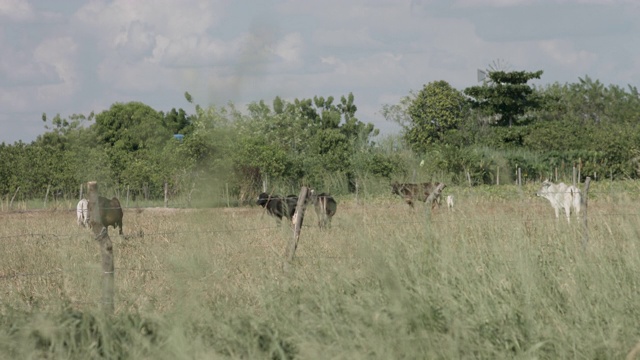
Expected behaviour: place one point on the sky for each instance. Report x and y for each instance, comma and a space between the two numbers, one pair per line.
73, 57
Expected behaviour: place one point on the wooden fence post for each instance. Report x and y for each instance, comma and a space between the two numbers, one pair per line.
357, 193
226, 190
166, 194
46, 196
81, 191
498, 176
519, 178
433, 196
106, 247
14, 196
579, 170
297, 219
585, 218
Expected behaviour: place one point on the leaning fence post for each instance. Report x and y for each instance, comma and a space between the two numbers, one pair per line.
14, 196
46, 196
106, 247
585, 218
297, 218
432, 197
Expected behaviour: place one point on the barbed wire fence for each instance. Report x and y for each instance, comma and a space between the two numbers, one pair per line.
39, 236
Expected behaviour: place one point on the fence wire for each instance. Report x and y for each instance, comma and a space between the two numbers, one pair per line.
441, 218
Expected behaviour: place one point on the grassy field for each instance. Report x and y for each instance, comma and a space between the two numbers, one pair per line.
496, 278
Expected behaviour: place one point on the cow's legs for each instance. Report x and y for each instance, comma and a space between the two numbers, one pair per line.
567, 211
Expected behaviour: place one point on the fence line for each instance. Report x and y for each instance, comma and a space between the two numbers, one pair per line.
516, 194
456, 220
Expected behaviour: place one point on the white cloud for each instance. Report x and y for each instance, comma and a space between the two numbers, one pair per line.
563, 53
61, 54
76, 55
289, 48
17, 10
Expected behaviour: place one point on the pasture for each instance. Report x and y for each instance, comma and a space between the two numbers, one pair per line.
499, 277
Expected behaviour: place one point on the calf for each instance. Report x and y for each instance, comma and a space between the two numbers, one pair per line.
561, 196
82, 210
450, 202
278, 206
421, 192
110, 213
325, 206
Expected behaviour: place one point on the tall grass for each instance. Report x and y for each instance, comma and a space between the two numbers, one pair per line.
497, 278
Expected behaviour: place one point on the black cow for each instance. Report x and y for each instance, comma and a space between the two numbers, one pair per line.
421, 192
110, 213
325, 206
277, 206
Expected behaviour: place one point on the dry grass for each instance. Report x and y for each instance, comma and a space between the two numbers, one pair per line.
492, 279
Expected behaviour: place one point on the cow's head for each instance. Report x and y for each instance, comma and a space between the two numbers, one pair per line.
395, 188
263, 199
544, 190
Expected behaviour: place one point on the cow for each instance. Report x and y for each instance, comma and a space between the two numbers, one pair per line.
277, 206
110, 214
325, 206
561, 196
421, 192
82, 210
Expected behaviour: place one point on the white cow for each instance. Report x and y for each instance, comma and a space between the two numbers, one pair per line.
450, 201
561, 196
83, 212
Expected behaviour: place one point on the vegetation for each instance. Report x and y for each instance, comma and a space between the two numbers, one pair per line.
479, 134
497, 278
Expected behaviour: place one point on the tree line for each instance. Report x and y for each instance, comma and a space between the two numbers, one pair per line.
461, 135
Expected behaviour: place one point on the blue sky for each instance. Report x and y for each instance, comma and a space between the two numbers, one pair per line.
66, 57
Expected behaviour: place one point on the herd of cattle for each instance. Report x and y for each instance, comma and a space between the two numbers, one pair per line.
559, 195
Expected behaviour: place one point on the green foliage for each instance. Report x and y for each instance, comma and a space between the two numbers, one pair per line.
434, 111
506, 94
177, 122
300, 141
131, 127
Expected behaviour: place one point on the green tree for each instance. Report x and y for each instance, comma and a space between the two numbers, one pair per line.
431, 114
128, 131
505, 96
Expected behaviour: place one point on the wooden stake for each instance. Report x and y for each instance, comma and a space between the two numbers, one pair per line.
14, 196
106, 247
585, 218
46, 196
166, 194
297, 218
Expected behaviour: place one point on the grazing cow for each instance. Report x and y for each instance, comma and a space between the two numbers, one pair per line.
110, 213
561, 196
420, 191
83, 212
278, 206
450, 201
325, 206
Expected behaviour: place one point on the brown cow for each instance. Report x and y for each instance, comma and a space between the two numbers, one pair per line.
420, 191
110, 213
